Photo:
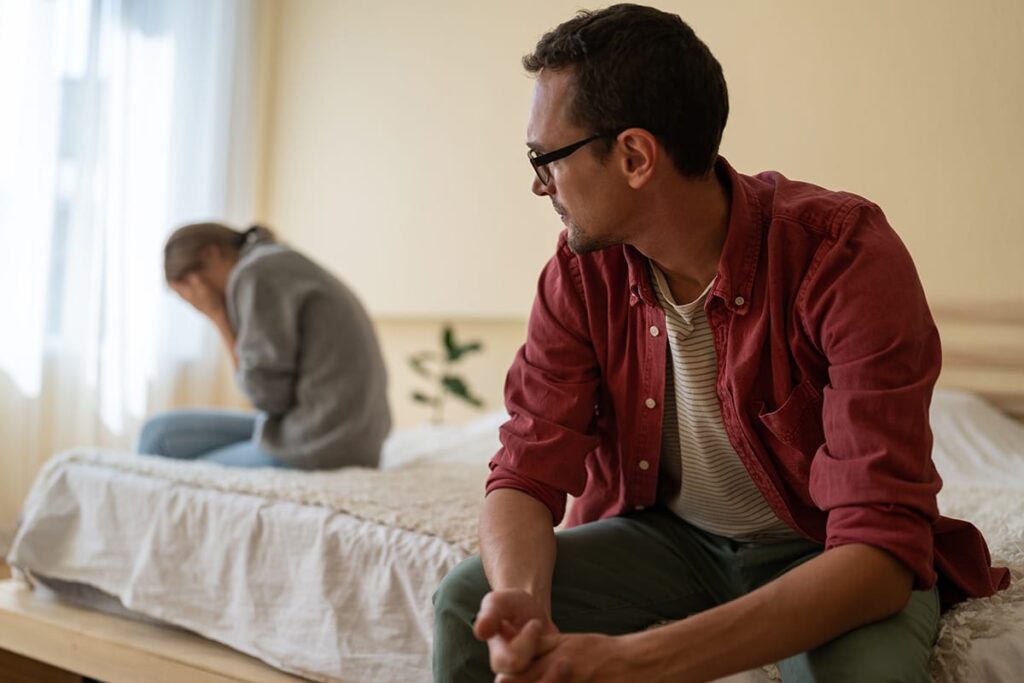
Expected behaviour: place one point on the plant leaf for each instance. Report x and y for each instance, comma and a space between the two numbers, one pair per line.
418, 363
448, 341
457, 386
462, 350
420, 397
453, 349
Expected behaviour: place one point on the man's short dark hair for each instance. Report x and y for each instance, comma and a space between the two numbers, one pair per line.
638, 66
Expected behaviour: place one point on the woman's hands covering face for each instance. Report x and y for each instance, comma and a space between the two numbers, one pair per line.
203, 296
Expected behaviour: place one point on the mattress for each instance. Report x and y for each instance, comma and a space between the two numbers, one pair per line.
330, 575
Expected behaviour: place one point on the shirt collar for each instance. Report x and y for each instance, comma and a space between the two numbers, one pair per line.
738, 263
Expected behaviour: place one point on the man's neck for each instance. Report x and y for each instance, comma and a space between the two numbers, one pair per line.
684, 233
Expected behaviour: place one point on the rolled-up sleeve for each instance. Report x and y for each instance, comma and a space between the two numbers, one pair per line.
266, 321
550, 394
865, 307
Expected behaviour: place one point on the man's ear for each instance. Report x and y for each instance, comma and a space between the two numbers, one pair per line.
640, 155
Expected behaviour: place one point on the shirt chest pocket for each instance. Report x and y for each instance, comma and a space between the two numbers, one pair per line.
797, 422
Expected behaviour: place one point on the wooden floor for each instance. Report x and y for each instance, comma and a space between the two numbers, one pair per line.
5, 572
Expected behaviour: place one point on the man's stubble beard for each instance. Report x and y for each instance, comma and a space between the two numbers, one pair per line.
580, 243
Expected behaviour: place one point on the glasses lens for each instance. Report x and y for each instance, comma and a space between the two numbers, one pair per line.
542, 171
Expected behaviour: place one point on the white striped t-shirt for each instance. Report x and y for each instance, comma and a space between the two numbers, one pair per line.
706, 484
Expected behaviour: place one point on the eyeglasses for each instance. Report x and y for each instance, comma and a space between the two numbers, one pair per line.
541, 161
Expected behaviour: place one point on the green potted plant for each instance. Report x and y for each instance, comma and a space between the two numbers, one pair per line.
438, 368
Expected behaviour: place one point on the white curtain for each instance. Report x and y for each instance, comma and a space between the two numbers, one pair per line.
120, 119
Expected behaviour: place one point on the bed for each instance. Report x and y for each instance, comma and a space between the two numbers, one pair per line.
328, 576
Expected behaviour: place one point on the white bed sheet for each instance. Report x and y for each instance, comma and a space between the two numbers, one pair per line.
344, 599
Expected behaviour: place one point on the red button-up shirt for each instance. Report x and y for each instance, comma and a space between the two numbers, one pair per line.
827, 356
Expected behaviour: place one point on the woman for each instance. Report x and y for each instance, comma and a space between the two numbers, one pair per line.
304, 349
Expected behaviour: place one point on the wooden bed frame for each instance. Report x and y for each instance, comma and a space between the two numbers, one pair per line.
40, 633
982, 353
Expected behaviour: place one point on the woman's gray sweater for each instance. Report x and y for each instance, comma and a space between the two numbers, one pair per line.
308, 359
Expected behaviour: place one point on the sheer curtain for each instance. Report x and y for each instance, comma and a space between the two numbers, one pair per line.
121, 119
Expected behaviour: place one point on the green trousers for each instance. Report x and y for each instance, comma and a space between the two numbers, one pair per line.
625, 574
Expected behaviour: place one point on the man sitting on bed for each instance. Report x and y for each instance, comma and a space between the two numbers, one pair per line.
732, 373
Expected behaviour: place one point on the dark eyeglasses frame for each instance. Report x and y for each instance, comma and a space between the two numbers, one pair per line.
540, 161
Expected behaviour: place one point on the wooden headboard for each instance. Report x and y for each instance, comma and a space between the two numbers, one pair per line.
983, 351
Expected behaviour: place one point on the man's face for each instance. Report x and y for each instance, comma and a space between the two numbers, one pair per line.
583, 190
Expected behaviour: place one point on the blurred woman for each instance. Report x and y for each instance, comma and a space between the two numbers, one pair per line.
304, 350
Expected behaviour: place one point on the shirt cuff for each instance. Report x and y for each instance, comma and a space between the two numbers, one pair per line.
897, 530
504, 478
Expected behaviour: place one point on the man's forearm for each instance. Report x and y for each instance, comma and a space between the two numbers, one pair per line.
832, 594
517, 543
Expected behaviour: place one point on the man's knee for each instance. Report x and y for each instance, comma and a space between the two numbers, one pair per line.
894, 650
818, 666
458, 655
459, 595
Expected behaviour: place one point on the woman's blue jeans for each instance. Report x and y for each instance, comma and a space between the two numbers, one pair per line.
221, 436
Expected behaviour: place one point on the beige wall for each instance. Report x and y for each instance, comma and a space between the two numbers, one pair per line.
396, 140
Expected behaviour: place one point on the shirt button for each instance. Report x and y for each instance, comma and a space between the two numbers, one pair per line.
739, 301
644, 465
650, 403
655, 331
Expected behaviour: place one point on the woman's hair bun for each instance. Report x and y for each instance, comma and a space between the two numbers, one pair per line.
258, 233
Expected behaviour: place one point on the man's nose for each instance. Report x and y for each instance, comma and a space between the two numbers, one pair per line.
540, 189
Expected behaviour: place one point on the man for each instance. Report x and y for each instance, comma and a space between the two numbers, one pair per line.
732, 375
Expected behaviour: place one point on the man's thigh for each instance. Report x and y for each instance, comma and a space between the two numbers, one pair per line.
614, 576
895, 649
624, 574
